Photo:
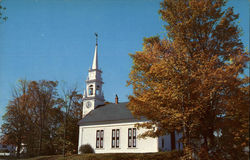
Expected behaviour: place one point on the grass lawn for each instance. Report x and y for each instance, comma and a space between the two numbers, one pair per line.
115, 156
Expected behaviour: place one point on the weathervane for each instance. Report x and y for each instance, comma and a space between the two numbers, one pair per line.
96, 35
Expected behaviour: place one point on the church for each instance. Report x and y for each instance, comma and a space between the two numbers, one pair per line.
110, 127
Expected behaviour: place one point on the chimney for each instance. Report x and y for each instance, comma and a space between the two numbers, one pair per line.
116, 99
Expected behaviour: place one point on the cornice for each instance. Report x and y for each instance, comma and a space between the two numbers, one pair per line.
94, 80
92, 70
95, 97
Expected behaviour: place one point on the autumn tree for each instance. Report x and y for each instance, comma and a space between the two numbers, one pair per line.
71, 104
193, 81
42, 97
35, 117
15, 118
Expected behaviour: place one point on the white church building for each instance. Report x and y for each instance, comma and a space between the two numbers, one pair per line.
110, 127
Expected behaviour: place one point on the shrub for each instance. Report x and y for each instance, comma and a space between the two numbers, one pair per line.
86, 148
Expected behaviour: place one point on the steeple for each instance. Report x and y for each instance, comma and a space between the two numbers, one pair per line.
93, 95
95, 60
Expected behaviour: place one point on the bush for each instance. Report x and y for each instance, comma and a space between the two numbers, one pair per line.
86, 148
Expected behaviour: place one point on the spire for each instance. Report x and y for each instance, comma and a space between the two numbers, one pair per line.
95, 60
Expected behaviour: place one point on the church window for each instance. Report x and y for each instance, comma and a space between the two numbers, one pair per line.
115, 138
129, 137
132, 137
99, 138
97, 90
91, 90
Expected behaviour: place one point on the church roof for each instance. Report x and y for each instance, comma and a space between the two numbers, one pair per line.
109, 114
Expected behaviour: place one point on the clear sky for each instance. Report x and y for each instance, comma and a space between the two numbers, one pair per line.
54, 40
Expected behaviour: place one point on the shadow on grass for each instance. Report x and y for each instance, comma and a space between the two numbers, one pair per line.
174, 155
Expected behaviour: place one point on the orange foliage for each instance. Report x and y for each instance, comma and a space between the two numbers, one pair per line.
193, 82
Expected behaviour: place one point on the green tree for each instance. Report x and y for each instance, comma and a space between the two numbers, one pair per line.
193, 82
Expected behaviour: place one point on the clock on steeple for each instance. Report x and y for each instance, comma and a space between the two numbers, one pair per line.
88, 104
93, 95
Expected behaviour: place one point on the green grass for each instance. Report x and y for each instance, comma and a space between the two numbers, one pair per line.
115, 156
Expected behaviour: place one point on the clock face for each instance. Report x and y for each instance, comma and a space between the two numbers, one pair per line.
88, 104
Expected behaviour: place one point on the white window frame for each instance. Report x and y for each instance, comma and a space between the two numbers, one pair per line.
132, 137
115, 138
99, 138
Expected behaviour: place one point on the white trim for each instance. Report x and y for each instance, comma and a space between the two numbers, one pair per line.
114, 124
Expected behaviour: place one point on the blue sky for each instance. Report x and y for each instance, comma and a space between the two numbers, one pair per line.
54, 40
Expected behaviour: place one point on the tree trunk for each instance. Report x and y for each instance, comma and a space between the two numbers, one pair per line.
40, 132
18, 149
173, 141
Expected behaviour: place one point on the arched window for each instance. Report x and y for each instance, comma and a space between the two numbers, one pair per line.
97, 90
91, 90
